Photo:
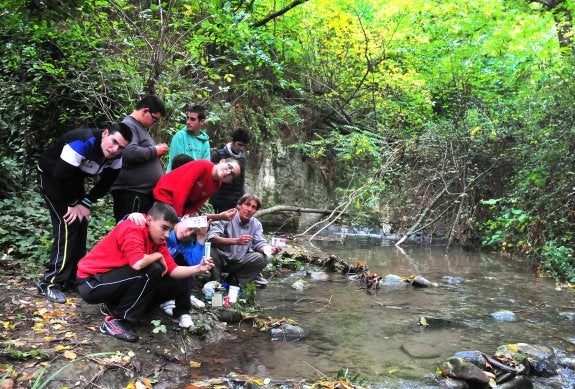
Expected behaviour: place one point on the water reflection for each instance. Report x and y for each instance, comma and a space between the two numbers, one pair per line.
378, 336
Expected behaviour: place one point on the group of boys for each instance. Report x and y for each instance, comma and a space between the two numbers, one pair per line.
148, 259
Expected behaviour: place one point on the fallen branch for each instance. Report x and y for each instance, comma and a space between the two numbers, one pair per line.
289, 208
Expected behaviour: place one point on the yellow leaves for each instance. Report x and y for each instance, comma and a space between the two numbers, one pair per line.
60, 347
140, 383
70, 354
195, 364
8, 326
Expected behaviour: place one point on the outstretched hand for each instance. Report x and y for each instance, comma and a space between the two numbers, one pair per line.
206, 264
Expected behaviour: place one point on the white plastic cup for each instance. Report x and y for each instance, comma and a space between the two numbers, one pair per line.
233, 293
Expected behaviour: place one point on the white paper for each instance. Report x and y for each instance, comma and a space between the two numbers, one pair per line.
197, 222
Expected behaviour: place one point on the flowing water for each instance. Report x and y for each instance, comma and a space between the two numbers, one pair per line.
377, 336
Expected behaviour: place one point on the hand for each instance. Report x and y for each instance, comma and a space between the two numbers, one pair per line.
77, 212
161, 149
162, 261
206, 264
244, 239
138, 218
229, 214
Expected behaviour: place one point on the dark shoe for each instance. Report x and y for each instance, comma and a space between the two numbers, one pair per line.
52, 293
260, 280
105, 310
114, 327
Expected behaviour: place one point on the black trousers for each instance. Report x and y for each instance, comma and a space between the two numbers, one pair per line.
126, 202
69, 243
130, 293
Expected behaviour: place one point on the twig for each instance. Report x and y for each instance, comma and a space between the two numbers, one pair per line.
329, 302
322, 374
530, 308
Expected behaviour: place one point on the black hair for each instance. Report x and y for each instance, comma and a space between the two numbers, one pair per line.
153, 103
160, 210
180, 159
241, 135
199, 109
122, 129
250, 196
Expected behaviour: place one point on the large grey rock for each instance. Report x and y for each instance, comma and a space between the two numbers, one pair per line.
520, 382
392, 280
318, 276
462, 370
287, 332
472, 356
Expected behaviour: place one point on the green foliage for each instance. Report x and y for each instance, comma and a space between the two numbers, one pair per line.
158, 327
345, 376
558, 261
25, 231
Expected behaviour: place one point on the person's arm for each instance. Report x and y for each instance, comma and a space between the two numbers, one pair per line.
226, 215
177, 147
147, 260
188, 271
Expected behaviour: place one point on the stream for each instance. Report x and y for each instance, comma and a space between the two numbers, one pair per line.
377, 336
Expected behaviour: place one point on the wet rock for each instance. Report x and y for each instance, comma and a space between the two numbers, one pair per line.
392, 280
570, 340
434, 322
567, 362
287, 332
450, 383
228, 315
504, 316
520, 382
542, 368
473, 356
318, 276
569, 315
299, 285
538, 351
418, 350
460, 369
420, 282
453, 280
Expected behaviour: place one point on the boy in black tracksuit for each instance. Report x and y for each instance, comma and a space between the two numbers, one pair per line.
229, 193
62, 170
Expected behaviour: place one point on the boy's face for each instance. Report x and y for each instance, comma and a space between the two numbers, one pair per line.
194, 124
112, 144
159, 229
238, 147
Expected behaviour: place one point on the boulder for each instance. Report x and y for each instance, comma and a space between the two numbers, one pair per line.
392, 280
462, 370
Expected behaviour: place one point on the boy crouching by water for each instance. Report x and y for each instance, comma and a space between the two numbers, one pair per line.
130, 268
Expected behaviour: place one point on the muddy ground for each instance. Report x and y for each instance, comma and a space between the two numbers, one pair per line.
45, 344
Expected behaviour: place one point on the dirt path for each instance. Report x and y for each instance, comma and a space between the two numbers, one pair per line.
60, 345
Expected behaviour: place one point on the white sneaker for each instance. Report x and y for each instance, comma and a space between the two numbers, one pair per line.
168, 307
185, 321
196, 303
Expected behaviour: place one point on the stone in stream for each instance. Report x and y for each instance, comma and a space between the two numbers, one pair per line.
420, 282
462, 370
504, 315
392, 280
434, 322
